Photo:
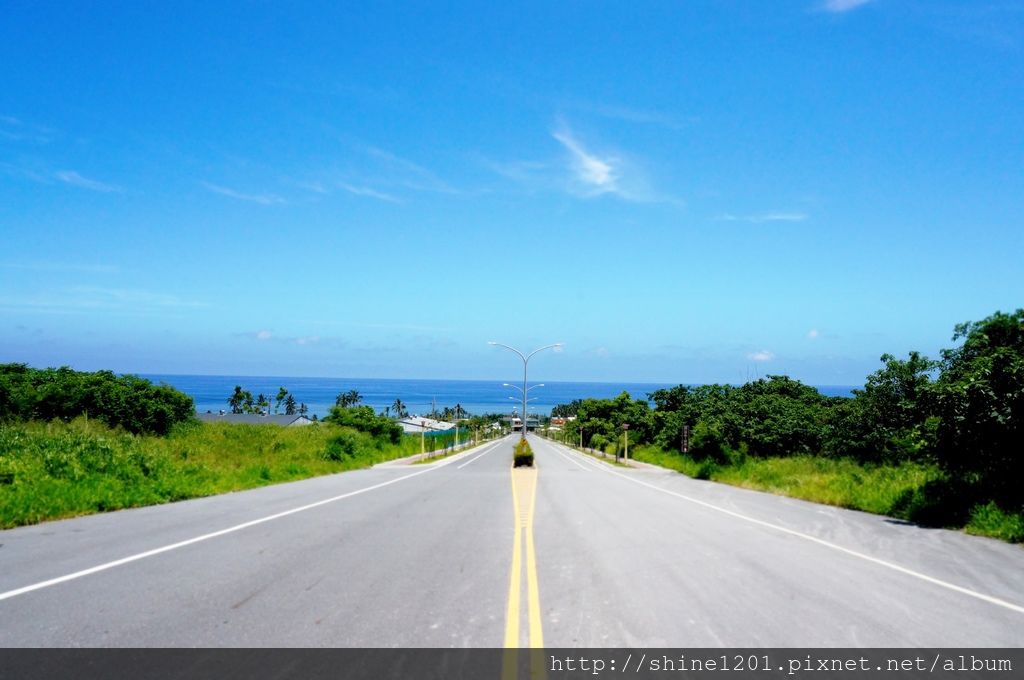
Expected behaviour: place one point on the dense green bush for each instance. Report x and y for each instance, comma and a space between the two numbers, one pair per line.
522, 454
125, 401
363, 419
978, 404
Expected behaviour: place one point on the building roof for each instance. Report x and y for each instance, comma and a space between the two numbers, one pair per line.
253, 419
413, 424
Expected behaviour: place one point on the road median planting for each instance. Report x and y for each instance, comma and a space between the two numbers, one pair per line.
522, 454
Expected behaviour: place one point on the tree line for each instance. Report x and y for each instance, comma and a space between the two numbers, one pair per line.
126, 401
242, 401
962, 412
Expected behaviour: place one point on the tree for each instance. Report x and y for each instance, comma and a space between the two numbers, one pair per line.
566, 410
262, 402
282, 395
303, 409
125, 401
887, 420
348, 398
289, 406
399, 410
979, 402
237, 399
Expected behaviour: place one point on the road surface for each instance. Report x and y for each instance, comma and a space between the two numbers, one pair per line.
466, 553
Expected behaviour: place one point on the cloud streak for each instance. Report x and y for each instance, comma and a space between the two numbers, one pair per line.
74, 179
594, 174
840, 6
369, 193
40, 266
762, 355
409, 174
764, 217
262, 199
93, 298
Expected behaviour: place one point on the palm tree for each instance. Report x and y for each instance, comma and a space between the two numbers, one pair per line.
236, 399
349, 398
398, 407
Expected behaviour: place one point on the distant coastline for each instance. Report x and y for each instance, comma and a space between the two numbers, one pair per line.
211, 392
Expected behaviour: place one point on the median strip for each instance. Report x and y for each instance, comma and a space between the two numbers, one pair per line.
524, 497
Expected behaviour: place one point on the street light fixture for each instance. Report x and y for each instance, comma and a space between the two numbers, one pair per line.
526, 361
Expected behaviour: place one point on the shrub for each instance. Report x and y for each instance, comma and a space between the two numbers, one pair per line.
342, 446
363, 419
522, 455
125, 401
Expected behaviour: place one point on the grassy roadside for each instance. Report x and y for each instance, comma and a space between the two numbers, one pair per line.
55, 470
899, 491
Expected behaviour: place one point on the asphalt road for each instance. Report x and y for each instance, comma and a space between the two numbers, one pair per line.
465, 553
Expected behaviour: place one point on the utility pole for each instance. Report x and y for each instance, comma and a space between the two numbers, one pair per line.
625, 435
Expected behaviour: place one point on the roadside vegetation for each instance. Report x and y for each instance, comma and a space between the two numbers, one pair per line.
57, 469
937, 442
74, 443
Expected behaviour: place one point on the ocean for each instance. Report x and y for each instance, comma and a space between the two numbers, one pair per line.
211, 392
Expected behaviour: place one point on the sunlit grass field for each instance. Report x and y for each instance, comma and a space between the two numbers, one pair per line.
881, 489
53, 470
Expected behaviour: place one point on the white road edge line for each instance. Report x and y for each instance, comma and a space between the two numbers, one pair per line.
482, 454
573, 460
820, 541
205, 537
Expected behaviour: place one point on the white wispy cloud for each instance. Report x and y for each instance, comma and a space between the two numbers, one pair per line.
41, 266
96, 299
764, 217
74, 179
635, 115
262, 199
813, 334
839, 6
265, 335
595, 174
368, 192
406, 173
16, 130
762, 355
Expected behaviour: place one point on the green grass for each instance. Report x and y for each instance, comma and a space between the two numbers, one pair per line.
990, 520
54, 470
881, 489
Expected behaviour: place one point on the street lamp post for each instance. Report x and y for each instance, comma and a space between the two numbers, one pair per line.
526, 361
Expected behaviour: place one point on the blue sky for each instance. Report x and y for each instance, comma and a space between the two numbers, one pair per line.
692, 192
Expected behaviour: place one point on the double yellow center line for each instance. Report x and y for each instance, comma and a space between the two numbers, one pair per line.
524, 497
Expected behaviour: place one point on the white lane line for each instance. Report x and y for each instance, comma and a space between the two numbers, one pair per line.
570, 459
820, 541
482, 454
205, 537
